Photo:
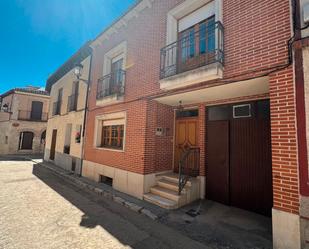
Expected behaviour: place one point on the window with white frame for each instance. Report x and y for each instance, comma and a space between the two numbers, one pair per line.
110, 131
190, 13
113, 79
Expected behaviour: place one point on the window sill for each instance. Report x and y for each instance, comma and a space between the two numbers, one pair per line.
109, 149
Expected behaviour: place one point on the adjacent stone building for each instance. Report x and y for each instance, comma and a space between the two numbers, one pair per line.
64, 144
23, 121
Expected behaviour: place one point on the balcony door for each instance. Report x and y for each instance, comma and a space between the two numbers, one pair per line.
74, 97
116, 74
36, 110
197, 45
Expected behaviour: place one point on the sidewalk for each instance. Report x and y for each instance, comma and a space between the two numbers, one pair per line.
136, 205
210, 223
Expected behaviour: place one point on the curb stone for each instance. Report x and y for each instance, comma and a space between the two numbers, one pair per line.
149, 214
132, 206
119, 200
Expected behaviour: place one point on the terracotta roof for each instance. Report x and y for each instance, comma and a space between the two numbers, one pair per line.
25, 90
78, 57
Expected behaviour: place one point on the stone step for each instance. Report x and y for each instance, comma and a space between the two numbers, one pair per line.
166, 193
175, 179
160, 201
168, 184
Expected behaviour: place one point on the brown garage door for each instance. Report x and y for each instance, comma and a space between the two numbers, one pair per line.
238, 156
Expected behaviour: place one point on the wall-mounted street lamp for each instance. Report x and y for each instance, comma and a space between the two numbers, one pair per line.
5, 108
78, 71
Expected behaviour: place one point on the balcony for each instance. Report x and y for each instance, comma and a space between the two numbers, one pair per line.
72, 103
111, 87
33, 116
57, 108
196, 57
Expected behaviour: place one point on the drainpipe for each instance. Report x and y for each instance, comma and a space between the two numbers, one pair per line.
85, 116
300, 105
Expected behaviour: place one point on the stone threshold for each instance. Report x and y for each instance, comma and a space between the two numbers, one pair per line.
139, 206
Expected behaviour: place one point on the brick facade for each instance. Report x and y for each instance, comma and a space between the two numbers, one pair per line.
256, 35
284, 148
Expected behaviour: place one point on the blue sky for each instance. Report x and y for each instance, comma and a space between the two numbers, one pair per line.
37, 36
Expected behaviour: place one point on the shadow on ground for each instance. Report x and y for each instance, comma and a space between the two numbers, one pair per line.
128, 227
215, 226
21, 157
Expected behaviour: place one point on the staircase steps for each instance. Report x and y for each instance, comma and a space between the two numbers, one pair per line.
165, 192
160, 201
168, 184
175, 178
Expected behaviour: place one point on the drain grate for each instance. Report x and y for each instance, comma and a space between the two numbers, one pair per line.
193, 213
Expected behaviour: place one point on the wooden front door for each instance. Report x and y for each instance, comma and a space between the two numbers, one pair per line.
186, 137
238, 156
53, 145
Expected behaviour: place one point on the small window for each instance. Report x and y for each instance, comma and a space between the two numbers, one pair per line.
112, 136
106, 180
242, 111
6, 140
187, 113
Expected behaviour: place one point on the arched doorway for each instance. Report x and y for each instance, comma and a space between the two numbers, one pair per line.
26, 140
43, 137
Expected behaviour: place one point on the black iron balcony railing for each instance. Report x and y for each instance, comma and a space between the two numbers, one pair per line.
198, 48
33, 116
72, 102
57, 108
111, 84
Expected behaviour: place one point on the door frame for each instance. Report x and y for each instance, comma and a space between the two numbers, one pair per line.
53, 138
174, 130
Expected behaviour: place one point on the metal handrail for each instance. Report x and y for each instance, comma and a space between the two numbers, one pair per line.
183, 177
177, 57
111, 84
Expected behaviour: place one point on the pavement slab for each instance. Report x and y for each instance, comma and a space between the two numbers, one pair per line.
40, 210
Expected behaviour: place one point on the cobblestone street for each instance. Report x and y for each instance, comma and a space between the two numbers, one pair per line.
40, 210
